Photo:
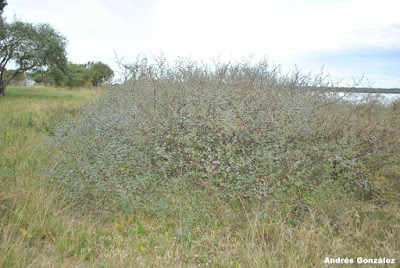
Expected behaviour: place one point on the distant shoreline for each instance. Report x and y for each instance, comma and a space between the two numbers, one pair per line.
363, 90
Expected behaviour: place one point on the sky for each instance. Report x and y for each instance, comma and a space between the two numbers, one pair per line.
348, 38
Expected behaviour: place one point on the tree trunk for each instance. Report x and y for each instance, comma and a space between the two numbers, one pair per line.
2, 89
3, 84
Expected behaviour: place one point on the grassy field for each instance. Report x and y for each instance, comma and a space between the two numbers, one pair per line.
37, 230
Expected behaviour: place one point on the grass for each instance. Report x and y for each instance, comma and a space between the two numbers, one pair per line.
37, 230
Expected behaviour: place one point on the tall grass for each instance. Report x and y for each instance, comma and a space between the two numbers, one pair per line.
27, 115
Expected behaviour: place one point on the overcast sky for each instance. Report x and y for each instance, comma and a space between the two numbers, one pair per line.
348, 37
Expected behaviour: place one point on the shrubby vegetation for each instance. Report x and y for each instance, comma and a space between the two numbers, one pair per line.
175, 135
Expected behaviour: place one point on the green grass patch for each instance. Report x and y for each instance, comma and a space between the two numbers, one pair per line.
44, 93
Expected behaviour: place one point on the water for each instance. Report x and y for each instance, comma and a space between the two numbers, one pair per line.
385, 98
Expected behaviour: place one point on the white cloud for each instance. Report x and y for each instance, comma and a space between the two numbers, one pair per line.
284, 30
271, 27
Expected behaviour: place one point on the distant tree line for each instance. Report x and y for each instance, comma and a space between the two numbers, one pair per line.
75, 75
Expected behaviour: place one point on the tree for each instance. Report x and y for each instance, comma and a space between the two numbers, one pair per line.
51, 76
100, 73
77, 75
30, 47
3, 4
19, 78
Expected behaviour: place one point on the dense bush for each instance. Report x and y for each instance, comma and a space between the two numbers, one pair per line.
175, 132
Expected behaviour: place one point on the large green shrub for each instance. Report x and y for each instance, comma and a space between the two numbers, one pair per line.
175, 132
